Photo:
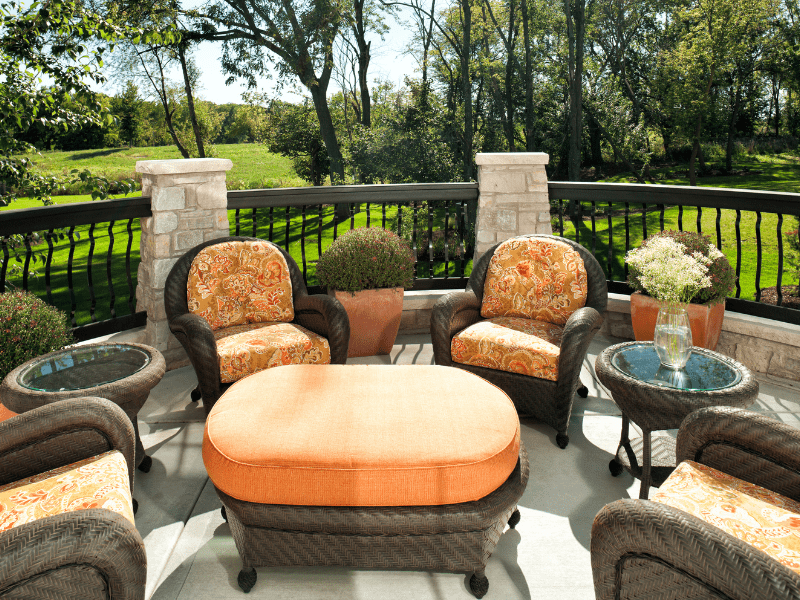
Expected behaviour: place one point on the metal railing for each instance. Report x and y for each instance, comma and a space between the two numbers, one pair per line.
437, 219
78, 236
734, 218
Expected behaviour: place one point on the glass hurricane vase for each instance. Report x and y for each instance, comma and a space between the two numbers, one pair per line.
673, 336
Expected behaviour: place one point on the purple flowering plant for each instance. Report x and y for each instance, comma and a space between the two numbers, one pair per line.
364, 259
29, 328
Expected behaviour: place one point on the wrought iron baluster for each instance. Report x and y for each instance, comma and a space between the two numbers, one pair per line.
288, 226
594, 230
627, 236
335, 224
254, 216
561, 218
368, 214
610, 243
303, 242
644, 221
109, 254
383, 215
26, 240
462, 249
699, 219
680, 217
49, 237
4, 268
271, 223
661, 217
319, 231
738, 251
352, 206
446, 239
89, 274
73, 305
430, 241
576, 223
779, 282
719, 229
758, 256
131, 289
236, 221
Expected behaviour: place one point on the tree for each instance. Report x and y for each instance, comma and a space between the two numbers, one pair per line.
294, 131
575, 12
127, 108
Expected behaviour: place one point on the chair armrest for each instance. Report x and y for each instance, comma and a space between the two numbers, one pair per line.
325, 315
745, 444
638, 540
62, 433
452, 313
580, 328
195, 335
94, 537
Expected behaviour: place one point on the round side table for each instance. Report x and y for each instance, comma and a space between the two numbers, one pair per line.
122, 373
657, 398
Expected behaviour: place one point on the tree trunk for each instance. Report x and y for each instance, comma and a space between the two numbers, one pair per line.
201, 151
466, 89
737, 100
363, 63
528, 79
695, 151
576, 26
328, 133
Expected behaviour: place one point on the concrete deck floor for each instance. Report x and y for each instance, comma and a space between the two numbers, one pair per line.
191, 554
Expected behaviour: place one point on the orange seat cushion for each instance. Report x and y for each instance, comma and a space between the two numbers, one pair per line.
764, 519
534, 278
247, 349
233, 283
510, 344
97, 482
358, 435
5, 413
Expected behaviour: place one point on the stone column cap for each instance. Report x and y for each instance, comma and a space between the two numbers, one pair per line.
510, 158
183, 165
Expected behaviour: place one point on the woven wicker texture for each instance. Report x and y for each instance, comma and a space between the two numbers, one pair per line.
319, 313
130, 393
451, 538
547, 401
92, 553
643, 549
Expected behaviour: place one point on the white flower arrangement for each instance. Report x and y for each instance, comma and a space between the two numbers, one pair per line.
667, 272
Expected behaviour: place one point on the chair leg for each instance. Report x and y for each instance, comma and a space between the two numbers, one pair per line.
514, 518
247, 579
562, 439
583, 391
479, 584
196, 395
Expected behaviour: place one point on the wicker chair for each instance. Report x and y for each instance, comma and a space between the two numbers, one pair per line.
318, 313
644, 549
546, 400
90, 553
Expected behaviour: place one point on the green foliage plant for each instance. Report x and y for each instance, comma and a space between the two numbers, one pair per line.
680, 267
29, 328
793, 255
366, 258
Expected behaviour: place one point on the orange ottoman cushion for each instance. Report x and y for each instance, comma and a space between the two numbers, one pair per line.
358, 435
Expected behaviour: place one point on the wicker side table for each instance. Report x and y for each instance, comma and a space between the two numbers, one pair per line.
122, 373
656, 398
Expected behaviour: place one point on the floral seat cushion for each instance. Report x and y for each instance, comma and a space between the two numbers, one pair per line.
764, 519
234, 283
512, 344
536, 278
247, 349
97, 482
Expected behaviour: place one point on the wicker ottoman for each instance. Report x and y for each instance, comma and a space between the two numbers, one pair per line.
392, 467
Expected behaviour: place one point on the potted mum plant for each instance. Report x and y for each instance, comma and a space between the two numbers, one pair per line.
367, 269
684, 269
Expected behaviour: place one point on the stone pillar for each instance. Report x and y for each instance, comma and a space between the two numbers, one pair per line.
513, 197
189, 200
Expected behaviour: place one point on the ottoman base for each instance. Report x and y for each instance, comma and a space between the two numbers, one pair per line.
456, 538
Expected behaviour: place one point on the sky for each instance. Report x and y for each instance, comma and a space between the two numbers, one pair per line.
387, 63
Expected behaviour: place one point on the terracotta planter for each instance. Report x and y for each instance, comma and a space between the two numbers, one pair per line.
704, 319
374, 319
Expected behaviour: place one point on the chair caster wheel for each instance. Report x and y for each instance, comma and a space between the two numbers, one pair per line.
145, 465
196, 394
135, 505
247, 579
583, 391
478, 585
514, 518
224, 514
562, 439
615, 467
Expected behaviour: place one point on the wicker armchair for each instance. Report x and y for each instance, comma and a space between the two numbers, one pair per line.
90, 553
320, 314
547, 400
644, 549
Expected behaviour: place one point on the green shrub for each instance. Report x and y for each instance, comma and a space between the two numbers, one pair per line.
29, 328
364, 259
793, 255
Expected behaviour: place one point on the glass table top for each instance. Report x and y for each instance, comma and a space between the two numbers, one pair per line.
703, 372
83, 367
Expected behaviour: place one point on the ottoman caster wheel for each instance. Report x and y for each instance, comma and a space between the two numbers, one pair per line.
514, 519
224, 514
479, 585
615, 467
135, 505
145, 465
196, 394
562, 439
583, 391
247, 579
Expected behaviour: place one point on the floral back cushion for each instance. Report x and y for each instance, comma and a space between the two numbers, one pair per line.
234, 283
535, 278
